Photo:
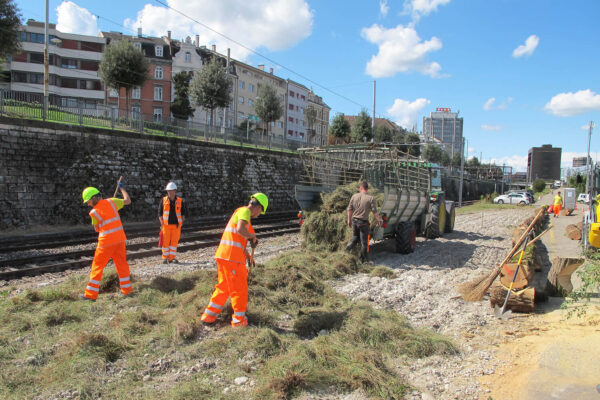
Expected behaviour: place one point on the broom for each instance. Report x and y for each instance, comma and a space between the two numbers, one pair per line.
477, 288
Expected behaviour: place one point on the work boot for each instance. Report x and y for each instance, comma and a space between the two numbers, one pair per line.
240, 324
165, 261
82, 297
207, 319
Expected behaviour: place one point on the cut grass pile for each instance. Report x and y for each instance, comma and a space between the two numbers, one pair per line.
327, 229
303, 336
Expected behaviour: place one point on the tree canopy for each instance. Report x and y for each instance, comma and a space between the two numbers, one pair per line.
361, 128
211, 87
123, 65
9, 27
181, 108
414, 149
340, 127
383, 134
268, 105
433, 153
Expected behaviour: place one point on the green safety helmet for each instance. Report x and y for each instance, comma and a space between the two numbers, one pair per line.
88, 193
262, 199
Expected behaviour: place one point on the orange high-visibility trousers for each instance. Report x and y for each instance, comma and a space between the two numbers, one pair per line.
171, 235
232, 282
557, 208
103, 254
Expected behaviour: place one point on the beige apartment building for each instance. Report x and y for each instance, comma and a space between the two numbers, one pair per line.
319, 132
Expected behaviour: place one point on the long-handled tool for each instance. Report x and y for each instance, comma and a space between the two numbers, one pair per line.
117, 188
251, 262
501, 313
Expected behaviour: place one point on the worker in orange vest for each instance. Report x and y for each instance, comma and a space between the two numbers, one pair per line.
558, 202
111, 240
171, 214
231, 259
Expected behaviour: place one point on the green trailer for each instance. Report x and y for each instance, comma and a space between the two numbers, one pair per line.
414, 203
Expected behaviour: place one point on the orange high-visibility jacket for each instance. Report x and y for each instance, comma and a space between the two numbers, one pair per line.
167, 209
110, 229
232, 244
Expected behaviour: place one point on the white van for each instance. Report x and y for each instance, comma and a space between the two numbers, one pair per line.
557, 184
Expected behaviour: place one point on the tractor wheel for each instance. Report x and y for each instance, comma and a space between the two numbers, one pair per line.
450, 216
437, 221
405, 237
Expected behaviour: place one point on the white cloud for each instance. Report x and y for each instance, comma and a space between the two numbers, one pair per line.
518, 163
400, 50
74, 19
491, 127
406, 113
489, 105
384, 8
528, 48
419, 8
569, 104
566, 158
272, 24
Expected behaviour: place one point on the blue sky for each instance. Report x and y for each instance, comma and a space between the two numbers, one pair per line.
522, 73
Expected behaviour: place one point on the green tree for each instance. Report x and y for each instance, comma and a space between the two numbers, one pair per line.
433, 153
446, 160
311, 118
473, 162
211, 87
383, 134
456, 160
180, 107
123, 66
9, 28
268, 106
538, 185
340, 127
361, 128
412, 144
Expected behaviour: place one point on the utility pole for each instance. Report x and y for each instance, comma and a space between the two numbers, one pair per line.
502, 190
373, 119
588, 164
462, 168
46, 67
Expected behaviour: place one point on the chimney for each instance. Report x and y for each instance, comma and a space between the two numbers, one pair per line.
214, 48
140, 32
197, 40
228, 56
271, 71
169, 36
261, 67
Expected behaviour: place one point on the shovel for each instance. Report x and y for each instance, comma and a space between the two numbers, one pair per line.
501, 313
251, 262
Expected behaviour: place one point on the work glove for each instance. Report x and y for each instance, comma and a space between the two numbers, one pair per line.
253, 242
121, 185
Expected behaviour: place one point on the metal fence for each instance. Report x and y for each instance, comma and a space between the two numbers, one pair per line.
30, 106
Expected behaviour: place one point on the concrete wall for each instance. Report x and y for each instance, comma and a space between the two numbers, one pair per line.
44, 168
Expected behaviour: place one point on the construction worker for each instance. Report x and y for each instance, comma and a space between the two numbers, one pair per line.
558, 202
361, 204
171, 214
231, 259
111, 240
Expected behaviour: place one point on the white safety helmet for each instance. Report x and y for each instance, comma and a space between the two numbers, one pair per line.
171, 186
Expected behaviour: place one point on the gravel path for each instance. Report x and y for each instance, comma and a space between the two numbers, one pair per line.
423, 291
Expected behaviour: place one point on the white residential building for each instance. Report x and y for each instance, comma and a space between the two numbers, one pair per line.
297, 101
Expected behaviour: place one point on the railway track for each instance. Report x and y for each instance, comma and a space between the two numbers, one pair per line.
194, 239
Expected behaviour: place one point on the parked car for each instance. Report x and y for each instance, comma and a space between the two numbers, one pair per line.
583, 198
527, 193
512, 198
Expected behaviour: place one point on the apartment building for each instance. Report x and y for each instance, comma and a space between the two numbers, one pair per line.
445, 126
318, 134
543, 163
73, 67
153, 99
297, 101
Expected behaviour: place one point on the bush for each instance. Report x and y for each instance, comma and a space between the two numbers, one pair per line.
539, 185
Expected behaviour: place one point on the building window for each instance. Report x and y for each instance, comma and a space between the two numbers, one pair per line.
37, 37
241, 99
36, 58
280, 124
291, 93
135, 112
136, 92
158, 72
68, 102
188, 56
291, 119
291, 107
251, 87
242, 84
158, 51
113, 93
158, 93
36, 78
229, 123
157, 114
290, 132
68, 63
250, 102
241, 115
137, 45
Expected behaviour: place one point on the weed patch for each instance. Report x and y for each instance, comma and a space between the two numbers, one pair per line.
100, 345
